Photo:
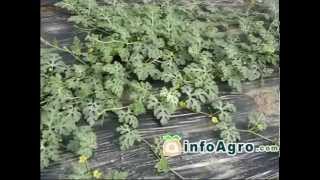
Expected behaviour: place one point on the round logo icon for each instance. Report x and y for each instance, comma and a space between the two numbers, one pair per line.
172, 148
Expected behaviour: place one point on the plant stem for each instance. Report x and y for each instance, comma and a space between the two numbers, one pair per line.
43, 102
71, 98
207, 114
155, 61
252, 132
109, 42
112, 109
157, 156
61, 49
88, 170
68, 98
84, 29
204, 113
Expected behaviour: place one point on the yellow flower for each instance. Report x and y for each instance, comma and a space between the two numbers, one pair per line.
83, 159
214, 120
97, 174
182, 104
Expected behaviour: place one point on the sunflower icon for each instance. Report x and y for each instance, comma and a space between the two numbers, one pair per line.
171, 146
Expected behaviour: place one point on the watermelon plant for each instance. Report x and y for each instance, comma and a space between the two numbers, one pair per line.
161, 56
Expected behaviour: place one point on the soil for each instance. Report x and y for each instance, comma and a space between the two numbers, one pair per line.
266, 99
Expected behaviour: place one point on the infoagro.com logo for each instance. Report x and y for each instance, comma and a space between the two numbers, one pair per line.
173, 147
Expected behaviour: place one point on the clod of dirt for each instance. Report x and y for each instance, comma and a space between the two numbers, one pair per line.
266, 99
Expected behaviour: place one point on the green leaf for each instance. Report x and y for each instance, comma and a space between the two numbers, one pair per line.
144, 70
91, 112
257, 121
137, 107
229, 133
117, 175
224, 109
49, 148
140, 90
193, 104
171, 96
124, 54
128, 136
153, 102
201, 95
162, 113
115, 69
79, 171
84, 141
115, 85
51, 62
76, 46
128, 118
187, 90
162, 165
